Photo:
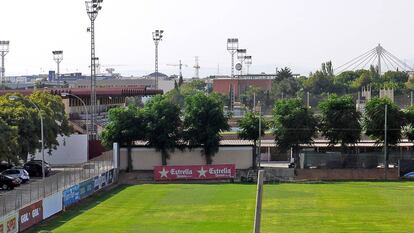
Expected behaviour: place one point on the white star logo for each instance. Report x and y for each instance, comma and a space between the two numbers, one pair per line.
202, 172
164, 173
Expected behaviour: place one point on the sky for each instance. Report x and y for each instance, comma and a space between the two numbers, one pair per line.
300, 34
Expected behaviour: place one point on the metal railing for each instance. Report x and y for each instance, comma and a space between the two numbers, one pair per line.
61, 178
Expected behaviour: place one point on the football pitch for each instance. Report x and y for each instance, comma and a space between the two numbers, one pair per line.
222, 208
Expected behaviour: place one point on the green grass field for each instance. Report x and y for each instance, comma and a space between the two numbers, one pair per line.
332, 207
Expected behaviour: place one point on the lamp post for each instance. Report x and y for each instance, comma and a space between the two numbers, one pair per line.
14, 98
260, 133
58, 57
157, 37
92, 9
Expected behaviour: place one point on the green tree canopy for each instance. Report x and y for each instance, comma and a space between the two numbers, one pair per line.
340, 120
374, 120
249, 130
204, 119
293, 124
163, 124
125, 126
8, 142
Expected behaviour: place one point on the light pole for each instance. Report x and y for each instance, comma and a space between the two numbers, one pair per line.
14, 98
241, 56
232, 46
58, 57
92, 9
248, 62
260, 134
157, 37
4, 50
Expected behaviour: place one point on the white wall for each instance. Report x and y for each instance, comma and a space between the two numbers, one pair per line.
146, 158
71, 150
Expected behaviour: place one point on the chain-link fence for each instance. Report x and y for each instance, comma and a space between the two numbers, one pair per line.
60, 179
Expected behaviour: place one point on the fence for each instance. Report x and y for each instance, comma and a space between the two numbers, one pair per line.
336, 160
60, 179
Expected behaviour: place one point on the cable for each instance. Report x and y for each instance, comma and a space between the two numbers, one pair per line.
386, 58
370, 61
354, 59
399, 61
395, 62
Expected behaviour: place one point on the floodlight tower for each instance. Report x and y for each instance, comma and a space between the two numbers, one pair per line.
241, 56
248, 62
232, 46
4, 50
196, 68
58, 57
157, 37
92, 9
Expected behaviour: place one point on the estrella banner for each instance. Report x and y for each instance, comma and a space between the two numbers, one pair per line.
195, 172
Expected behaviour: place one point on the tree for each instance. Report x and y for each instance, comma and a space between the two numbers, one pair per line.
204, 119
321, 81
249, 130
163, 125
8, 142
285, 85
340, 120
293, 125
408, 129
55, 119
374, 121
125, 126
343, 81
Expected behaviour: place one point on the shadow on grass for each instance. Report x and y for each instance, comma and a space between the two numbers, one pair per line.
86, 204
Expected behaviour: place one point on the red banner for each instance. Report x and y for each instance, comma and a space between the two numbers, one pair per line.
30, 215
195, 172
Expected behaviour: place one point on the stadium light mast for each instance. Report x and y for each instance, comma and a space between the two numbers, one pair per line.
248, 62
92, 9
58, 57
232, 46
157, 37
4, 50
241, 56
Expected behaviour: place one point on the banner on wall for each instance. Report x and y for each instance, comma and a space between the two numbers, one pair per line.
103, 179
97, 183
86, 188
52, 205
110, 176
30, 215
10, 224
195, 172
71, 195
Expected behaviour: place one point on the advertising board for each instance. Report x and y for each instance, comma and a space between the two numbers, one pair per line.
71, 196
86, 188
103, 179
97, 183
195, 172
30, 215
52, 205
10, 223
110, 176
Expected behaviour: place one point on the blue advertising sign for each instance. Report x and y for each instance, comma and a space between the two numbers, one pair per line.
71, 195
110, 176
86, 188
97, 183
103, 179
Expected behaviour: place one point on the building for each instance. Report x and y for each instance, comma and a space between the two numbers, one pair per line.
237, 85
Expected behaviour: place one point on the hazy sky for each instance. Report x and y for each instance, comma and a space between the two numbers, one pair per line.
296, 33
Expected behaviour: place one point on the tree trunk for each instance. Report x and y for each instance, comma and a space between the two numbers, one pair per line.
295, 151
209, 159
164, 157
129, 154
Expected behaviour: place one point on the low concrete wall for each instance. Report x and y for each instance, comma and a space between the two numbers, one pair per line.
146, 158
345, 174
